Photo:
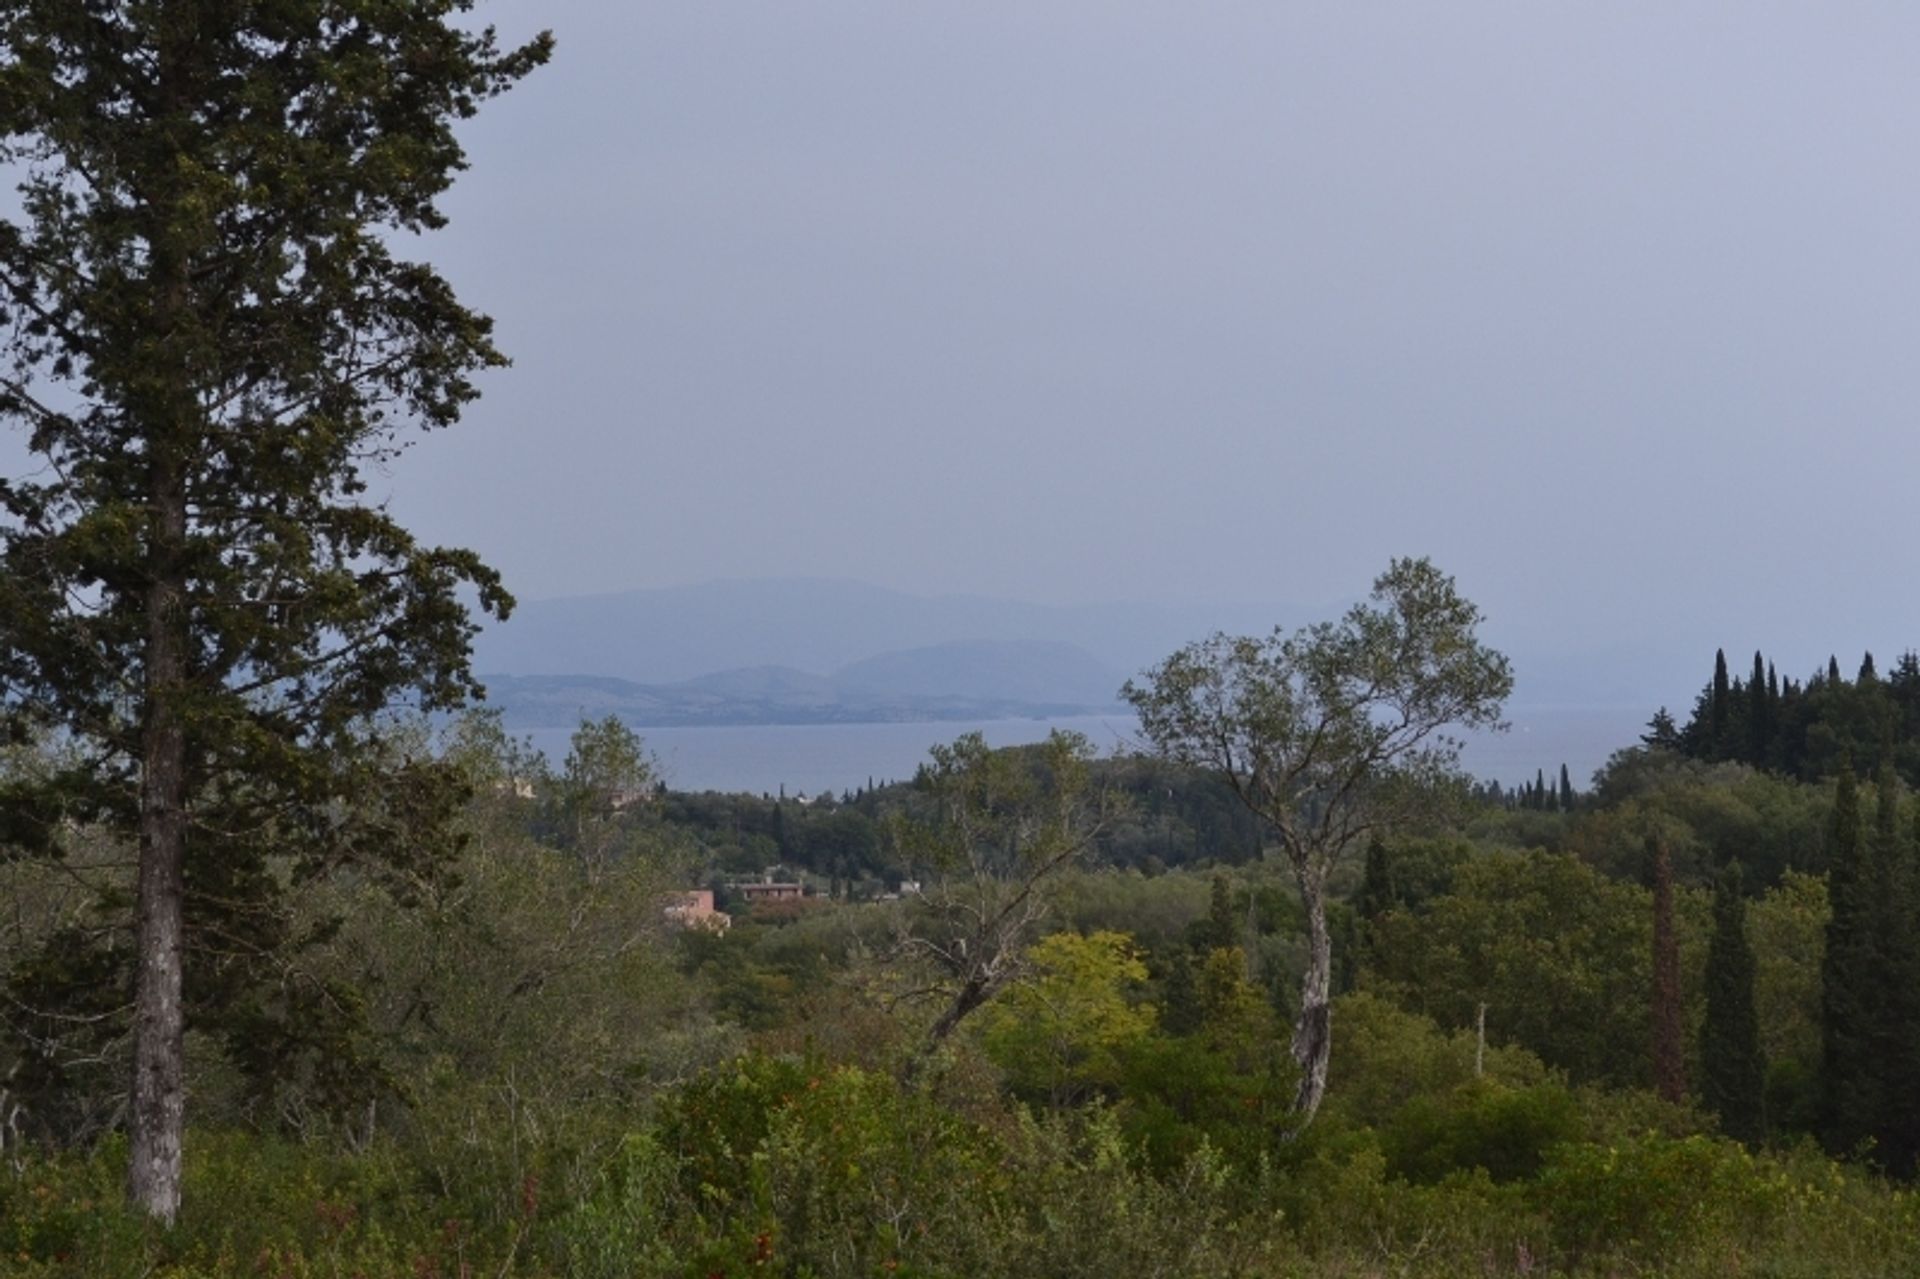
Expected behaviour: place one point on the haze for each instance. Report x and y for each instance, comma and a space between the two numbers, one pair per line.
1609, 309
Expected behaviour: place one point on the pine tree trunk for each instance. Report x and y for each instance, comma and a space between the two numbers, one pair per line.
1312, 1032
157, 1118
158, 1112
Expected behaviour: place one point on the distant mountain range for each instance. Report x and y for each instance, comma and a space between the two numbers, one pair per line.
988, 679
678, 633
819, 650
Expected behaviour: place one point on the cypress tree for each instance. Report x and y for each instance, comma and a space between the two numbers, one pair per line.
1890, 997
1669, 1065
1850, 1105
1718, 707
1223, 929
1867, 675
1733, 1069
1833, 669
1566, 790
1181, 995
1377, 894
1902, 1141
1759, 714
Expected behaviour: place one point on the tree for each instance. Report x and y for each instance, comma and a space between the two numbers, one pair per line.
606, 774
1759, 714
1220, 930
1063, 1035
1718, 706
1328, 734
1662, 734
1847, 979
1733, 1071
996, 828
1377, 893
1669, 1065
209, 339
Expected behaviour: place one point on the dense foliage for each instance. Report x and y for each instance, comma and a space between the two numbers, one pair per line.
553, 1079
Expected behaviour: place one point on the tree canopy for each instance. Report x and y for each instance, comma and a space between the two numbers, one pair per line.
1330, 732
209, 337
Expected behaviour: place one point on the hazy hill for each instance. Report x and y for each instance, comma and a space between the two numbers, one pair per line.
1008, 670
734, 645
977, 680
679, 633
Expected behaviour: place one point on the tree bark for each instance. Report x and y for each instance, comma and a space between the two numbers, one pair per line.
972, 994
1313, 1031
157, 1118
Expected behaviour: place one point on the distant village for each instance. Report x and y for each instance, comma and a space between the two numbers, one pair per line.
777, 891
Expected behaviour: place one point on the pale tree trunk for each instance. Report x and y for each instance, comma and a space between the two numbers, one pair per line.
157, 1117
1313, 1031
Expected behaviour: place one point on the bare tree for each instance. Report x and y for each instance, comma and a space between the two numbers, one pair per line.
1329, 733
997, 827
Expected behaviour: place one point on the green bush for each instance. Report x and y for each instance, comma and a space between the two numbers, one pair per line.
1504, 1132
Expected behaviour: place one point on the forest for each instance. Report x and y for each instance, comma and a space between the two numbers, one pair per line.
517, 1063
309, 968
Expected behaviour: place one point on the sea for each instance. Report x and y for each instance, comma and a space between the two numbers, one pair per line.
809, 759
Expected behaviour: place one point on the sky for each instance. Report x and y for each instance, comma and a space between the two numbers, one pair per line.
1610, 309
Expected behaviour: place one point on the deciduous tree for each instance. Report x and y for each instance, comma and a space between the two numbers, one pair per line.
1328, 734
996, 828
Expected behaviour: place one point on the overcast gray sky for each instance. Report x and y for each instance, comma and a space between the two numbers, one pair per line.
1610, 308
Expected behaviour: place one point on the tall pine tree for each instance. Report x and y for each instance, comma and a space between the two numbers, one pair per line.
212, 339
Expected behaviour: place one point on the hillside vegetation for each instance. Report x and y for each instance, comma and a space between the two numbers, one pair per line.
527, 1069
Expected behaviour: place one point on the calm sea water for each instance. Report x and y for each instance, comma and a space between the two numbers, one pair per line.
809, 758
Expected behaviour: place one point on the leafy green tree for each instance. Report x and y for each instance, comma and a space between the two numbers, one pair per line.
1733, 1072
1560, 955
209, 339
1329, 734
1063, 1034
607, 776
